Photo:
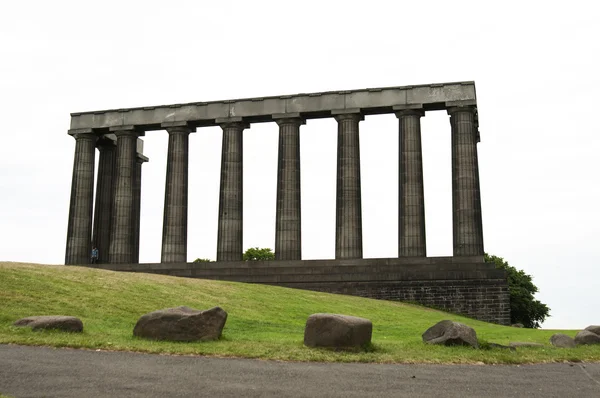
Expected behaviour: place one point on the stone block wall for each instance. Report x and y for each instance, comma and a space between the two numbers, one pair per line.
461, 285
485, 300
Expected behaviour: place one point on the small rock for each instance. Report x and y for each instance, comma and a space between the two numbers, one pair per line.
337, 331
181, 324
587, 337
503, 347
524, 344
58, 322
562, 340
594, 329
451, 333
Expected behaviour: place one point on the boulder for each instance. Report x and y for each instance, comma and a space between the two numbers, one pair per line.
517, 325
451, 333
337, 331
587, 337
562, 340
57, 322
181, 324
502, 347
594, 329
524, 344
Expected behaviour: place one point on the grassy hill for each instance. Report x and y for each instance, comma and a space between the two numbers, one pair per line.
264, 321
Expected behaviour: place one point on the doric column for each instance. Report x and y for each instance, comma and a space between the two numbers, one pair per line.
140, 159
104, 196
466, 199
230, 235
288, 232
79, 229
411, 199
122, 245
175, 222
348, 224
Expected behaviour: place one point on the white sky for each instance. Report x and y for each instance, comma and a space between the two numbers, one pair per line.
536, 67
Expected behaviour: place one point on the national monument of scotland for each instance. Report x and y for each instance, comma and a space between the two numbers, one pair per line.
463, 283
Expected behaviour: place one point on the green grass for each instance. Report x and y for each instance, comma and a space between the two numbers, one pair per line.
263, 321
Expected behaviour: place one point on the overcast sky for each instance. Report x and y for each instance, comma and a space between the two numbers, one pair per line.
536, 66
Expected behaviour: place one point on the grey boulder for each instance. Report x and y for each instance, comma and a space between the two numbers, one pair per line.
181, 324
562, 340
586, 337
337, 331
451, 333
56, 322
594, 329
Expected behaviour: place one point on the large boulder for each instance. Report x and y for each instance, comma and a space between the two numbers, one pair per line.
586, 337
451, 333
562, 340
594, 329
337, 331
181, 324
57, 322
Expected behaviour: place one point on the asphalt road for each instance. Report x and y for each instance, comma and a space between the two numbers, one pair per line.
48, 372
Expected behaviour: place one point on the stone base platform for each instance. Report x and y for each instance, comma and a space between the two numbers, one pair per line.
462, 285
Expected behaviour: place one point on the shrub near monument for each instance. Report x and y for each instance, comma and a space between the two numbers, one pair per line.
263, 321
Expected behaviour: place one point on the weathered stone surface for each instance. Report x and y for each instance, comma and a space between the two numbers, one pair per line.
586, 337
562, 340
594, 329
503, 347
524, 344
58, 322
181, 324
337, 331
451, 333
517, 325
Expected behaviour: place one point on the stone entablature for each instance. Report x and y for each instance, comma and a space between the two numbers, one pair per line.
372, 101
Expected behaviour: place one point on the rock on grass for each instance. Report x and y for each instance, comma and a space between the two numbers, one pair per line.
451, 333
337, 331
56, 322
586, 337
181, 324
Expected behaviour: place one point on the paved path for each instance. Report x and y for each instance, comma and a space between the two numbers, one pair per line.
48, 372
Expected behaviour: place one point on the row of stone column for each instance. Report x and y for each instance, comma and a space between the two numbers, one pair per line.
116, 229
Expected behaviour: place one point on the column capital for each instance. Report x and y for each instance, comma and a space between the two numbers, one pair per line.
83, 134
400, 112
461, 108
178, 127
288, 118
126, 130
140, 158
346, 114
232, 121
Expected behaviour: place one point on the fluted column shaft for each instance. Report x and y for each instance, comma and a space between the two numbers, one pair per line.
288, 231
79, 229
122, 245
466, 199
104, 197
137, 206
230, 233
175, 223
348, 231
411, 206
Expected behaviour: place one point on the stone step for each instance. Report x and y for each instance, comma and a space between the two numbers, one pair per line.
275, 277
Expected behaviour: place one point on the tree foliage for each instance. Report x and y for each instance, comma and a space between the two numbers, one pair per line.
255, 253
524, 308
202, 260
